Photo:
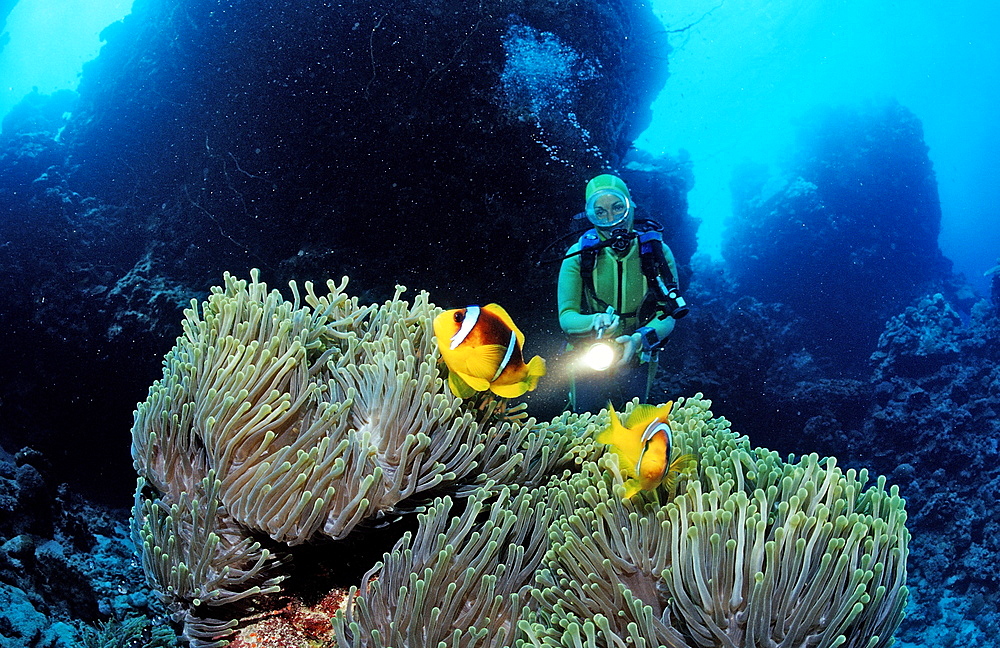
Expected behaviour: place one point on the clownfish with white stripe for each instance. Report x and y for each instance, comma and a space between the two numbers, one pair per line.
482, 348
645, 448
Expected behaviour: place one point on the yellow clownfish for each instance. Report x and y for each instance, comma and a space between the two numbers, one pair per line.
482, 348
643, 445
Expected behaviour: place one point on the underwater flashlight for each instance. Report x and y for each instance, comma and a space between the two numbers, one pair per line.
599, 356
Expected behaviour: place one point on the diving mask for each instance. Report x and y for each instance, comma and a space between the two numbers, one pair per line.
608, 207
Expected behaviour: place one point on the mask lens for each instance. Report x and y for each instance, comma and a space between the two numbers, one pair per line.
608, 207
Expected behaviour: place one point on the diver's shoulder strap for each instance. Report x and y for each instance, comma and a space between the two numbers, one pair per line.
588, 260
652, 260
659, 275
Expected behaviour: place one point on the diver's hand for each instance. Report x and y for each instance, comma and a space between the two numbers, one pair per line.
630, 346
605, 323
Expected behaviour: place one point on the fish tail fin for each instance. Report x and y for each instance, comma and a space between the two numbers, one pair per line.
536, 368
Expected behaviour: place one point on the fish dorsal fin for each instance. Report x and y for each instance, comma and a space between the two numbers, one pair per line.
498, 310
469, 323
607, 434
624, 441
643, 414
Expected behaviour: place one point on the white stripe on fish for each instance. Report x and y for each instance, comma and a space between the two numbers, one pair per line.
511, 345
469, 323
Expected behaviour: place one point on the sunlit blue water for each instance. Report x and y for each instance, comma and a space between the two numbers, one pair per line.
745, 70
50, 40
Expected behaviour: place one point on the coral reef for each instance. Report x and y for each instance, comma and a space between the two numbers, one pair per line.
132, 632
63, 561
292, 421
849, 237
934, 425
279, 422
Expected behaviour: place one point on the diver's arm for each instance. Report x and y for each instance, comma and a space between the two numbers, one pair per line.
570, 294
662, 327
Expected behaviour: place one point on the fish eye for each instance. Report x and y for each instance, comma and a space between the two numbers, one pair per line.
459, 317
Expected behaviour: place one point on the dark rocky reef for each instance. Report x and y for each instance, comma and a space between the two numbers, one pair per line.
62, 560
934, 427
848, 236
439, 146
432, 145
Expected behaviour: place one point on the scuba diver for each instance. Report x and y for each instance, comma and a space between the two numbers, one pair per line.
618, 300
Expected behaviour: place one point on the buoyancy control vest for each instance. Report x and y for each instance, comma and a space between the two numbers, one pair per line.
652, 261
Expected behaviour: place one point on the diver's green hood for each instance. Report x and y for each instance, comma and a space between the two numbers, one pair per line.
606, 181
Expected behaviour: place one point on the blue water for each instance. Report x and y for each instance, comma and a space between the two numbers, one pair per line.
50, 40
743, 71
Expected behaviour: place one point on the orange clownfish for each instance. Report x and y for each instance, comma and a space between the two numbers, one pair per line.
644, 444
482, 348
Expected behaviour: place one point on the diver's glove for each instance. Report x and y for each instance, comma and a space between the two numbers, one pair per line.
631, 344
606, 322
